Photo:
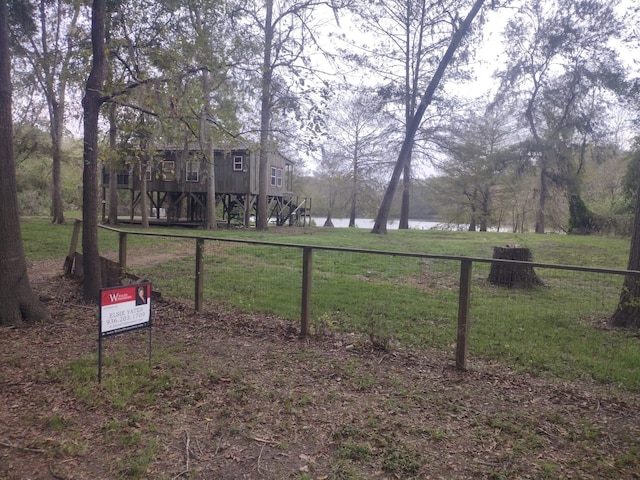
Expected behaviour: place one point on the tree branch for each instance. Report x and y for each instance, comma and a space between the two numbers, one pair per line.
133, 85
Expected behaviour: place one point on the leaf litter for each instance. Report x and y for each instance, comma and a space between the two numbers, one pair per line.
233, 395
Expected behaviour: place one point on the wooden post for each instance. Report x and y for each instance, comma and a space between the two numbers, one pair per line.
463, 314
305, 310
199, 273
68, 262
122, 253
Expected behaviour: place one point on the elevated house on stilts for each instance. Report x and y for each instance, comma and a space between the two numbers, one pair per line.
177, 187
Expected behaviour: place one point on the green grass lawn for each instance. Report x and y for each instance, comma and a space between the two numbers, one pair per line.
557, 329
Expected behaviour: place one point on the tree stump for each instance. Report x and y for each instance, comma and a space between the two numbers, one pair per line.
513, 275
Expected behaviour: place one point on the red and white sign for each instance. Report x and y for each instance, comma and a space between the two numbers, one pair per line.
125, 308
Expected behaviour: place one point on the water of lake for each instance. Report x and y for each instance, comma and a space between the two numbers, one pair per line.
391, 225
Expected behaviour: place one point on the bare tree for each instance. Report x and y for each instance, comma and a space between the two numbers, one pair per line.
408, 35
380, 224
287, 30
357, 141
213, 48
330, 177
50, 54
19, 303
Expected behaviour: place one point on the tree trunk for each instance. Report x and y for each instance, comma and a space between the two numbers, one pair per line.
627, 314
144, 204
542, 204
57, 131
265, 120
352, 210
380, 224
474, 212
53, 74
145, 160
484, 218
19, 304
328, 222
113, 194
513, 275
403, 224
113, 165
412, 74
91, 103
206, 135
354, 187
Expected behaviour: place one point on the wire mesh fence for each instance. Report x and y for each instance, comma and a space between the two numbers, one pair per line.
254, 278
412, 299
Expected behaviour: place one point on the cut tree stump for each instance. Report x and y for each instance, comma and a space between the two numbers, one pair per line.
513, 275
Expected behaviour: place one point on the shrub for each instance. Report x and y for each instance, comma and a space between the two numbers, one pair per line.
31, 202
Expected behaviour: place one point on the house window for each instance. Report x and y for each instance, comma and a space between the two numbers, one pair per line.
193, 171
276, 177
238, 163
169, 171
147, 173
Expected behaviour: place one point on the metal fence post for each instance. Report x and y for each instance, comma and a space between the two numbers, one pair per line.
305, 309
463, 314
199, 273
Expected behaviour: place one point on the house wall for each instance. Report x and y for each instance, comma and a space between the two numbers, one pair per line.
236, 172
277, 184
231, 177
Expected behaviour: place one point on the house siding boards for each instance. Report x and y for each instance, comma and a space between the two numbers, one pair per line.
177, 181
231, 177
185, 172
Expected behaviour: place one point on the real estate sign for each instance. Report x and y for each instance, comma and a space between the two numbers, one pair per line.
123, 309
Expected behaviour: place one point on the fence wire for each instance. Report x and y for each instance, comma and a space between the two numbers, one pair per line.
408, 299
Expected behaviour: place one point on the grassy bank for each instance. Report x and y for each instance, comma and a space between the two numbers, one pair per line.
559, 329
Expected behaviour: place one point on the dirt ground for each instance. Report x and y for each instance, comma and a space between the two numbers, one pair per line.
237, 396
